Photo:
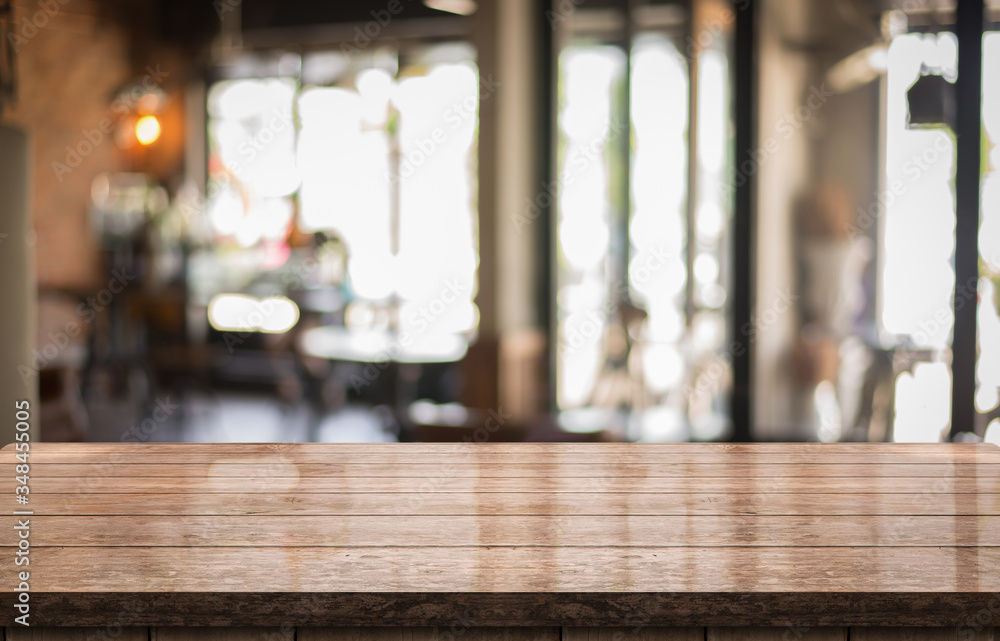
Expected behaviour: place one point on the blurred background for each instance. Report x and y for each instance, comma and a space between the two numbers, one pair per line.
502, 220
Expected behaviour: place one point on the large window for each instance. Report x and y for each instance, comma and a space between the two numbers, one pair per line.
641, 227
919, 285
856, 185
918, 243
376, 151
988, 366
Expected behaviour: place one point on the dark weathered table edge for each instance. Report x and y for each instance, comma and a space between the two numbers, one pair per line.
492, 609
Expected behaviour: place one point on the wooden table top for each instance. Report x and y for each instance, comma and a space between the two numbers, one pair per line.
507, 534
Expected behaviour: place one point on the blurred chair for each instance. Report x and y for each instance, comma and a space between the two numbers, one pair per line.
615, 385
61, 355
454, 423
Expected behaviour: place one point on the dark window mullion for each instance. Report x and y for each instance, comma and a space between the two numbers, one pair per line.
745, 70
969, 18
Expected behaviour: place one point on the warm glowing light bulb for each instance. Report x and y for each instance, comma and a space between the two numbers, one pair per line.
147, 130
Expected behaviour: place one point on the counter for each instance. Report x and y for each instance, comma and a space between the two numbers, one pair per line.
561, 542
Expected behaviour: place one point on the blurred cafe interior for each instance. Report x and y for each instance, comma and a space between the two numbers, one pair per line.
501, 220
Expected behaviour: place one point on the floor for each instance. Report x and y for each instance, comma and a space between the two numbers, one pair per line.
223, 417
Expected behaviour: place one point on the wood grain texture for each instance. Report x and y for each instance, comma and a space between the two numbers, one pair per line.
244, 633
112, 631
636, 632
552, 537
597, 571
449, 454
787, 633
497, 609
480, 449
367, 633
458, 629
519, 504
434, 483
280, 467
974, 632
511, 531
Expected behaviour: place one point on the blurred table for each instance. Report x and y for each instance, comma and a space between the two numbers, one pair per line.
367, 346
390, 351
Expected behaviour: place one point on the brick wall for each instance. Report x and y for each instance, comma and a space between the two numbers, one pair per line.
68, 71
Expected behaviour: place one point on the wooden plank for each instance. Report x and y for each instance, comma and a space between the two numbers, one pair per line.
787, 633
114, 630
459, 629
499, 609
599, 572
429, 484
368, 633
304, 457
513, 452
523, 503
638, 631
942, 449
950, 633
542, 534
243, 633
284, 468
536, 531
521, 453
